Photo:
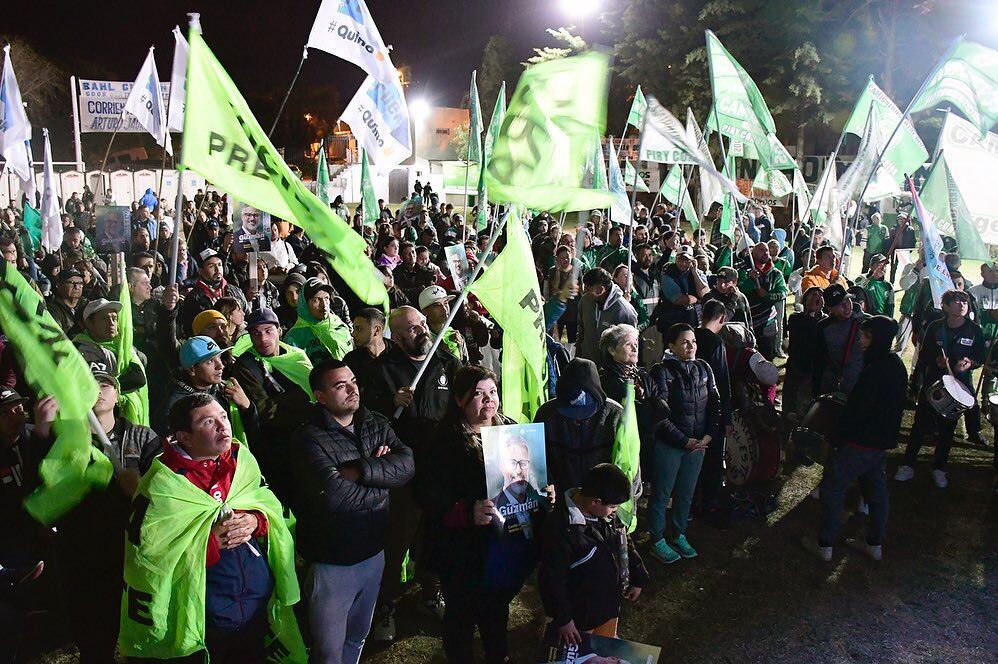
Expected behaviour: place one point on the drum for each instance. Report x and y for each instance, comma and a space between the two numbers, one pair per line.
949, 397
753, 453
819, 426
993, 409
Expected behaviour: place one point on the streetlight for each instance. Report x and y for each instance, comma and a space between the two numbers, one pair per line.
420, 110
580, 9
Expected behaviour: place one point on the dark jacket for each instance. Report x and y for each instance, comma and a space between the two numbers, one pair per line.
68, 319
360, 359
575, 446
804, 335
872, 417
668, 313
688, 401
197, 300
966, 341
580, 576
838, 356
394, 370
342, 522
710, 349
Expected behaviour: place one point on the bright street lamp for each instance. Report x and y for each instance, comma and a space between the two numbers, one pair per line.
579, 8
420, 110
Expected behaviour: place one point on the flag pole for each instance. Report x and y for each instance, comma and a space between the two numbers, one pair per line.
121, 120
467, 164
304, 56
455, 307
159, 195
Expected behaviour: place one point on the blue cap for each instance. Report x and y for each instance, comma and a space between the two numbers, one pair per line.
579, 405
198, 349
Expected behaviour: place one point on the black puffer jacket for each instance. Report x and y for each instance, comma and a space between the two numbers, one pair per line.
872, 417
575, 446
688, 402
342, 522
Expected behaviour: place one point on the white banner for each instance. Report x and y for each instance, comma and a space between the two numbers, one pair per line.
973, 162
101, 103
346, 29
379, 118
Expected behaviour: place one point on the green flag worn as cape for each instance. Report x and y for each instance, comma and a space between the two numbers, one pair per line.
627, 454
224, 143
163, 605
292, 362
319, 337
509, 290
54, 367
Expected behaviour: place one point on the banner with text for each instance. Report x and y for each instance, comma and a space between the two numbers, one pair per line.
101, 103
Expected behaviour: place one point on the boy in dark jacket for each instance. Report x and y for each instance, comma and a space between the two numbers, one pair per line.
587, 560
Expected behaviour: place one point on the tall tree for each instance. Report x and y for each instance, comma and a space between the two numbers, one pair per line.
573, 44
498, 65
43, 85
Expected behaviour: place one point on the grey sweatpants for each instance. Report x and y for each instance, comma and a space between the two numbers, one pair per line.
341, 601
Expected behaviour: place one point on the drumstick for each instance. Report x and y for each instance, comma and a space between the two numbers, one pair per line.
984, 369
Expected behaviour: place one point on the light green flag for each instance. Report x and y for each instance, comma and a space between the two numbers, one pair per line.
674, 182
906, 153
631, 177
596, 166
510, 292
739, 111
498, 113
627, 455
636, 116
775, 182
369, 200
322, 176
224, 143
54, 367
135, 404
942, 198
968, 79
546, 136
475, 126
727, 220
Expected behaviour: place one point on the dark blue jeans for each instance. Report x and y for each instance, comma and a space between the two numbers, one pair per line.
845, 465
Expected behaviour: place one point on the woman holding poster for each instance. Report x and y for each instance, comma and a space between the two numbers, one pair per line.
482, 565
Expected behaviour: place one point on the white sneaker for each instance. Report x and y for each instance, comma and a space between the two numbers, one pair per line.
904, 473
822, 552
939, 477
863, 507
868, 550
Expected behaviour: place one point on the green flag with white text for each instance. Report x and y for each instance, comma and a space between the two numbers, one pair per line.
224, 143
322, 176
632, 179
775, 182
370, 202
510, 292
942, 198
675, 182
636, 116
546, 137
627, 454
54, 367
968, 79
475, 126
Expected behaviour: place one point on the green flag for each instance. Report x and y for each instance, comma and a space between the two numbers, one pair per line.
906, 153
728, 205
739, 111
135, 404
322, 176
775, 182
546, 136
941, 197
627, 454
224, 143
370, 202
498, 113
33, 223
636, 116
673, 184
968, 79
163, 604
54, 367
510, 292
482, 202
475, 126
631, 177
596, 166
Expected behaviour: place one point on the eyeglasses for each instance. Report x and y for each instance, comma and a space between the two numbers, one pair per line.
75, 284
522, 464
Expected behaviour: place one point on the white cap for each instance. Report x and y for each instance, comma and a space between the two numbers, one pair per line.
432, 295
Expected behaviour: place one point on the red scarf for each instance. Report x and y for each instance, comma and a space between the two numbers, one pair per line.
214, 294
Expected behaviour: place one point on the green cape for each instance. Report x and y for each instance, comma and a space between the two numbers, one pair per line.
317, 337
293, 363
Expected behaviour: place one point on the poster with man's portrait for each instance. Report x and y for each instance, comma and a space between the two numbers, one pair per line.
250, 227
457, 263
112, 228
596, 649
515, 474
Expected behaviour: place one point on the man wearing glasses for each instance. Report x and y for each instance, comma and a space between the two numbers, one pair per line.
67, 302
253, 232
518, 499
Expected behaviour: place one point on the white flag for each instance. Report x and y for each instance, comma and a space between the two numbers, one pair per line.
802, 195
824, 206
710, 188
178, 82
51, 219
940, 280
379, 118
145, 102
15, 130
663, 133
881, 183
620, 207
345, 29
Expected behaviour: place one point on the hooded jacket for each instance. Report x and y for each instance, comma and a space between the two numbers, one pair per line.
595, 317
872, 416
319, 338
575, 446
688, 403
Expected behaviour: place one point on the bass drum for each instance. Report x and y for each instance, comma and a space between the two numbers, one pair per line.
753, 454
818, 428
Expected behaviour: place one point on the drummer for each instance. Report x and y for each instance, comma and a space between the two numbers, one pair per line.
963, 342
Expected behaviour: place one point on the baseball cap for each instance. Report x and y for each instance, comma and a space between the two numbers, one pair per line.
433, 294
313, 286
835, 295
727, 273
578, 405
8, 396
206, 254
685, 251
262, 316
198, 349
66, 275
764, 370
102, 374
878, 258
206, 318
99, 305
213, 223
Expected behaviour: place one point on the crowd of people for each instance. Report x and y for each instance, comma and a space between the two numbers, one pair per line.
264, 382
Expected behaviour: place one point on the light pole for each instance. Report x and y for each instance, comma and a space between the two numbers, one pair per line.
420, 110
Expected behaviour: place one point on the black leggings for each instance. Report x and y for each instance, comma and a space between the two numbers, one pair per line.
470, 604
